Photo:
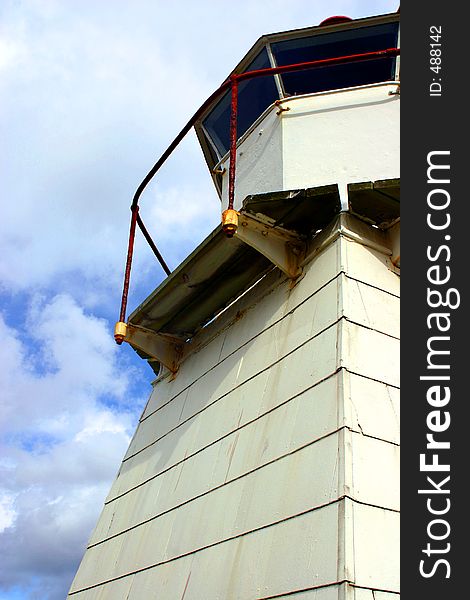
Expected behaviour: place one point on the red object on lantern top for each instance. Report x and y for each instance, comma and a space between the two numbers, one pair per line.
335, 20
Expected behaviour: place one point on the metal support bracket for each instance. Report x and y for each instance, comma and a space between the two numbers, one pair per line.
280, 108
166, 349
282, 247
219, 170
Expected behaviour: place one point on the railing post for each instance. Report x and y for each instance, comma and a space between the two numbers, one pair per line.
127, 275
230, 216
233, 140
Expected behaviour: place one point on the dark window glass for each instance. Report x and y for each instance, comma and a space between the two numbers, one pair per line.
331, 45
253, 98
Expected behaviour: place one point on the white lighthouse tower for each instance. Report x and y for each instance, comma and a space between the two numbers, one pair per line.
265, 464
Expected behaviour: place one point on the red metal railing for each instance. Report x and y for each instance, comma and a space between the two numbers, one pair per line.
232, 83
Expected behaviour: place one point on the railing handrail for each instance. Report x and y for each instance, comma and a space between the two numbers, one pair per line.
232, 83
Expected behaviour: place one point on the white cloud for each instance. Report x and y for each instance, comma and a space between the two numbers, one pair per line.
11, 53
61, 441
84, 108
7, 511
100, 424
180, 214
69, 362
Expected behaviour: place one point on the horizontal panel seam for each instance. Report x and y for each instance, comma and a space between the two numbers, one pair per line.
231, 538
126, 458
289, 313
371, 285
225, 483
233, 431
234, 479
233, 389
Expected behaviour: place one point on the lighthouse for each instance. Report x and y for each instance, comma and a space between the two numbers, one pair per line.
266, 461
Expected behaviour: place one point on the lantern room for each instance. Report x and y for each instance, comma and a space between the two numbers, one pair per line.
309, 119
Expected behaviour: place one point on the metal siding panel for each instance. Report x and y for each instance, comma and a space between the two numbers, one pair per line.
269, 301
236, 508
372, 407
370, 266
301, 421
308, 320
370, 353
376, 534
363, 594
371, 307
375, 471
295, 554
297, 372
91, 570
304, 480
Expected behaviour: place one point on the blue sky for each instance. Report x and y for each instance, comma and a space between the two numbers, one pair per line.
91, 93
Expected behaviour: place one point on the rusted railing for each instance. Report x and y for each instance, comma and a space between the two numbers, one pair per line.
232, 83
